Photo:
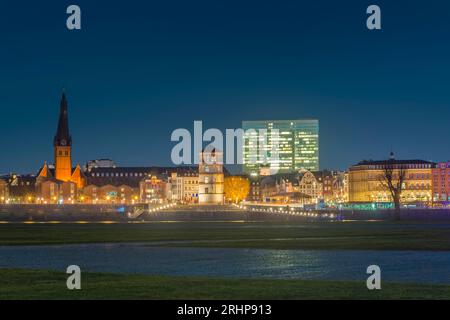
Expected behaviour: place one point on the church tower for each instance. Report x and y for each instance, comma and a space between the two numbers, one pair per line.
211, 178
63, 144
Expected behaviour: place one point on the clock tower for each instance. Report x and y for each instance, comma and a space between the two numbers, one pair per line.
63, 144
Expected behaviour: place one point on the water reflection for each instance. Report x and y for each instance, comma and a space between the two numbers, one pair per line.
400, 266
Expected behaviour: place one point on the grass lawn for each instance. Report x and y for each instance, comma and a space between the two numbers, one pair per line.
343, 235
42, 284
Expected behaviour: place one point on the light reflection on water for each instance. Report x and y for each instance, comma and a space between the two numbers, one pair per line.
399, 266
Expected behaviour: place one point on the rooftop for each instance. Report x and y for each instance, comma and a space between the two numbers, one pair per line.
392, 162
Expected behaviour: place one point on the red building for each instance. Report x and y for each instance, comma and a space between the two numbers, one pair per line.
441, 183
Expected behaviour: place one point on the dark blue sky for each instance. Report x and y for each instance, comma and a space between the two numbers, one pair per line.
140, 69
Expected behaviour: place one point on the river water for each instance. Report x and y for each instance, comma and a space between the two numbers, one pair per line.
131, 258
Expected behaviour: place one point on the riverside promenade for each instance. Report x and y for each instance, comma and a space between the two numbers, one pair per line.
142, 213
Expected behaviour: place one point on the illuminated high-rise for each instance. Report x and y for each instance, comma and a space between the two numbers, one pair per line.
288, 145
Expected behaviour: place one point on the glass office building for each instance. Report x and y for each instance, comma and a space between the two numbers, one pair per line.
280, 145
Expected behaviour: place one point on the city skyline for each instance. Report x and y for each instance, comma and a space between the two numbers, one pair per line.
281, 163
233, 157
236, 169
130, 84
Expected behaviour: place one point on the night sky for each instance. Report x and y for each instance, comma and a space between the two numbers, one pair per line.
140, 69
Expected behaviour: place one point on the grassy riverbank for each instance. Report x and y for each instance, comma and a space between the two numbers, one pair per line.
42, 284
345, 236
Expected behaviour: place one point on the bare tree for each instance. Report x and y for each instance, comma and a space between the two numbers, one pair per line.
392, 180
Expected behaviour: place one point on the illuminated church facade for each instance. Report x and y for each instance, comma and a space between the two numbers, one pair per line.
61, 182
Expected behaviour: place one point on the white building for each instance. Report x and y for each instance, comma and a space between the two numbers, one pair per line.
309, 185
211, 178
183, 187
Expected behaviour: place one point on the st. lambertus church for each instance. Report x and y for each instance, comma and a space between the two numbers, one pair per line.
61, 179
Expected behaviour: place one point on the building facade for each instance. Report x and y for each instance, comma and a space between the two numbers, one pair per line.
109, 194
289, 188
4, 191
296, 143
211, 178
117, 185
340, 188
333, 186
52, 191
365, 181
254, 194
311, 185
21, 188
441, 183
153, 189
183, 186
99, 163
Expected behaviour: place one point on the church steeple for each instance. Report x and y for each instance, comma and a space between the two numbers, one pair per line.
62, 137
63, 144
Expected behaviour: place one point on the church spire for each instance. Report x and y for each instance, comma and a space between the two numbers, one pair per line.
63, 144
62, 137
